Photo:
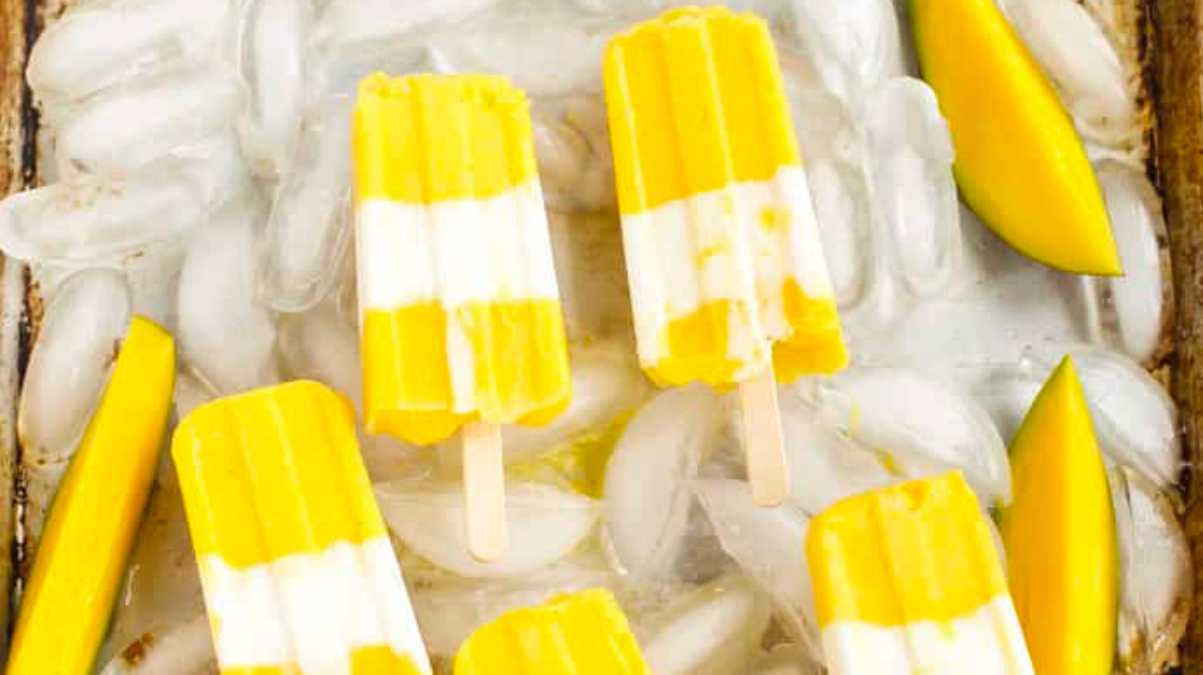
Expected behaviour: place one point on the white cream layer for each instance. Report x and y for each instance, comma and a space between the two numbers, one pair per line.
311, 610
986, 642
739, 243
457, 252
454, 251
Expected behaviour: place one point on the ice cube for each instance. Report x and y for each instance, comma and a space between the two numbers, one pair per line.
914, 193
834, 155
309, 228
1083, 63
715, 630
1134, 418
225, 333
920, 425
1156, 583
824, 464
1137, 300
549, 53
853, 45
92, 220
78, 55
187, 648
545, 524
173, 109
353, 20
76, 346
768, 545
647, 493
272, 65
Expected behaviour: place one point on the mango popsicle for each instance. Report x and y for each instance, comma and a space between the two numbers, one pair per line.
727, 276
460, 316
907, 580
584, 633
295, 562
90, 531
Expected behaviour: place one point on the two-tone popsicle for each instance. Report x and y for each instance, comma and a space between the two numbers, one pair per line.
460, 315
727, 276
297, 569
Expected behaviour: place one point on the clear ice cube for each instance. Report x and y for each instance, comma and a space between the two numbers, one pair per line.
853, 45
545, 524
714, 630
272, 64
309, 229
99, 43
173, 109
648, 494
225, 333
1156, 581
90, 220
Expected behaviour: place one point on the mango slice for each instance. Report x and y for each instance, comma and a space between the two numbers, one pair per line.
1059, 533
95, 515
1019, 161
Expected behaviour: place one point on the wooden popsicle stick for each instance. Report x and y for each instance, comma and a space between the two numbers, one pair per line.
764, 443
484, 491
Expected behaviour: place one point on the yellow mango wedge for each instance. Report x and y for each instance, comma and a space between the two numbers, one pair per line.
1020, 164
1059, 533
81, 561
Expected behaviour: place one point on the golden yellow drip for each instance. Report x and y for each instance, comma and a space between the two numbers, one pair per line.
816, 344
374, 660
583, 633
697, 347
274, 472
919, 551
429, 138
1059, 531
521, 366
90, 530
695, 102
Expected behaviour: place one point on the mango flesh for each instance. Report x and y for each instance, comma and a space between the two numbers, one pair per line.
1019, 163
1059, 534
81, 560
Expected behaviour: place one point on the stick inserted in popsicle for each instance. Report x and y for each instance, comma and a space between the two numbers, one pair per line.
460, 317
727, 276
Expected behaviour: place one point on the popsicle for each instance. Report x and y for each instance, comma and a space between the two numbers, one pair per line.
907, 580
295, 562
460, 316
727, 277
584, 633
81, 560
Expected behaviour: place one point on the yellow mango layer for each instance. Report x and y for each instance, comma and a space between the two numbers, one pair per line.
377, 660
521, 367
919, 551
428, 138
1019, 161
274, 472
697, 345
81, 561
584, 633
817, 343
1059, 532
695, 102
